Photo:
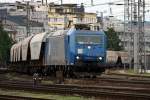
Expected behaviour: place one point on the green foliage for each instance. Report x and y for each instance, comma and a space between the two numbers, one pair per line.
113, 40
5, 45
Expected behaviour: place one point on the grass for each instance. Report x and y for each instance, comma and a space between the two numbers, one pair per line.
131, 72
41, 95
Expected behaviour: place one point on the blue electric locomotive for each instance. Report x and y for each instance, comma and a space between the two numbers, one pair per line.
86, 46
79, 49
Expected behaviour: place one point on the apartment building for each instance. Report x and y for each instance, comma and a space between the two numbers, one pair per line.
59, 16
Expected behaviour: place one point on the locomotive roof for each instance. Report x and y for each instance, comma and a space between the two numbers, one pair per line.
58, 33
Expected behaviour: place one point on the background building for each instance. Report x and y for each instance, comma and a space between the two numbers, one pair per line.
25, 18
59, 16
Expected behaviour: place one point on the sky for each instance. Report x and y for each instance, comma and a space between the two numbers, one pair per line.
117, 11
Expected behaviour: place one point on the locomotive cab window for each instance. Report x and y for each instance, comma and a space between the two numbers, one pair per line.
88, 39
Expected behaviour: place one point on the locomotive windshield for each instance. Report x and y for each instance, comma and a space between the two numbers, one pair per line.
88, 39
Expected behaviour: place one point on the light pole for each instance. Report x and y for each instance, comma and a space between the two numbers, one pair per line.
28, 19
61, 2
101, 19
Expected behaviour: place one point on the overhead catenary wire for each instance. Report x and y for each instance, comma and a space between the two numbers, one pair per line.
101, 4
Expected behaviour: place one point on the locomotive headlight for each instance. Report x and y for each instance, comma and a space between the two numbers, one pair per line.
89, 47
77, 57
100, 58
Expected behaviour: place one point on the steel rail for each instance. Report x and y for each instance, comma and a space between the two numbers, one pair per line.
10, 97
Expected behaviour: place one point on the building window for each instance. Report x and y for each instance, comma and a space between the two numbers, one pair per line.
68, 10
65, 10
51, 19
20, 39
60, 20
55, 19
60, 10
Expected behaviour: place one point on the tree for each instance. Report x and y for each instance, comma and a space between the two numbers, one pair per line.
113, 41
5, 45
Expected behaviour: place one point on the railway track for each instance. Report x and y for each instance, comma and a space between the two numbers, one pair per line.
8, 97
113, 88
139, 76
103, 81
100, 81
127, 93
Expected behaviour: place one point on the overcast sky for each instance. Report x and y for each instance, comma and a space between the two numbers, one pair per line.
117, 11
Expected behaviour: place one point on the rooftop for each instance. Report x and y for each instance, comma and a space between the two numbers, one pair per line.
22, 21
